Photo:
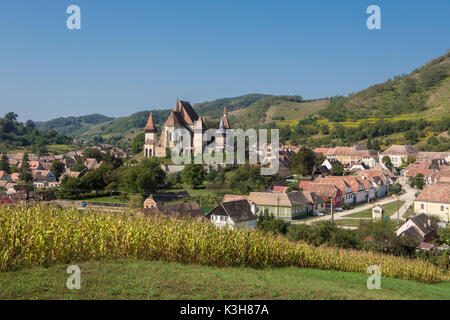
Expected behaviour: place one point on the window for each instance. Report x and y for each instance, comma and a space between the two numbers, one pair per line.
422, 206
442, 208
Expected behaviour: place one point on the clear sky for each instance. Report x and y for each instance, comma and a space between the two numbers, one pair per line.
138, 55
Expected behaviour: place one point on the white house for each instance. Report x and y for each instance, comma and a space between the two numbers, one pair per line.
233, 214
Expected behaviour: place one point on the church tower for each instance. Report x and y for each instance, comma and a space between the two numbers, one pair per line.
199, 127
150, 138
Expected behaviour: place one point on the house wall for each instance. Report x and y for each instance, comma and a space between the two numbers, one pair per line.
382, 191
433, 208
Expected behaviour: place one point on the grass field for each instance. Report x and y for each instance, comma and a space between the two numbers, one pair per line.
291, 111
128, 279
105, 199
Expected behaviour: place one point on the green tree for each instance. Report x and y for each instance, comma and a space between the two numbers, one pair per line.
4, 163
387, 162
144, 178
267, 223
137, 143
12, 116
193, 175
25, 171
337, 169
303, 161
419, 181
57, 168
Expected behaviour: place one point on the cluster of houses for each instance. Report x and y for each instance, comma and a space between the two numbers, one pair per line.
42, 174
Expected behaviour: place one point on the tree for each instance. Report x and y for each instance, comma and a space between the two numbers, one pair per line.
29, 124
396, 188
376, 145
137, 143
4, 164
193, 175
57, 168
268, 223
11, 116
387, 162
419, 182
303, 161
337, 170
144, 178
25, 171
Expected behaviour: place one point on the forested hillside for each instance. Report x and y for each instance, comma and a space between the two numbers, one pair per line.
423, 92
15, 135
72, 126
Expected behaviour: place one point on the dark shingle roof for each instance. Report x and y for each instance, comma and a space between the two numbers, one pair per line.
238, 210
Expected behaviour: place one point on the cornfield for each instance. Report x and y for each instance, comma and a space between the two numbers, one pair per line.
44, 236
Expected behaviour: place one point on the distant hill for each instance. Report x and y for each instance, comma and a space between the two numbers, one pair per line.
73, 126
244, 111
424, 93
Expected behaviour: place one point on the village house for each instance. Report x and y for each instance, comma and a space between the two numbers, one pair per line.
381, 180
434, 200
417, 228
233, 214
328, 192
428, 168
349, 156
91, 163
34, 165
149, 203
287, 206
70, 174
43, 176
399, 154
443, 156
232, 197
443, 177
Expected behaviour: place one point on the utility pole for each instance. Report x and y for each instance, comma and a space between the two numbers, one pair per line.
278, 207
332, 214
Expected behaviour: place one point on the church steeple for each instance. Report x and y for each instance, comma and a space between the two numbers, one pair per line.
226, 123
150, 127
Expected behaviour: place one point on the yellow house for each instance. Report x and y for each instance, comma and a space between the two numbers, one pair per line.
434, 200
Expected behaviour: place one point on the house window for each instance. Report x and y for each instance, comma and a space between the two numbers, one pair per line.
442, 208
422, 206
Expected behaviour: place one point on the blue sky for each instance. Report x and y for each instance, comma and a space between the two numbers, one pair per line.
138, 55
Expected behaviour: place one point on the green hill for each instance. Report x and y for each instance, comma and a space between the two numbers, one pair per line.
73, 126
424, 93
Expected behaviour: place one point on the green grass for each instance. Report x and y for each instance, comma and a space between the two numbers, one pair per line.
126, 279
389, 209
105, 199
